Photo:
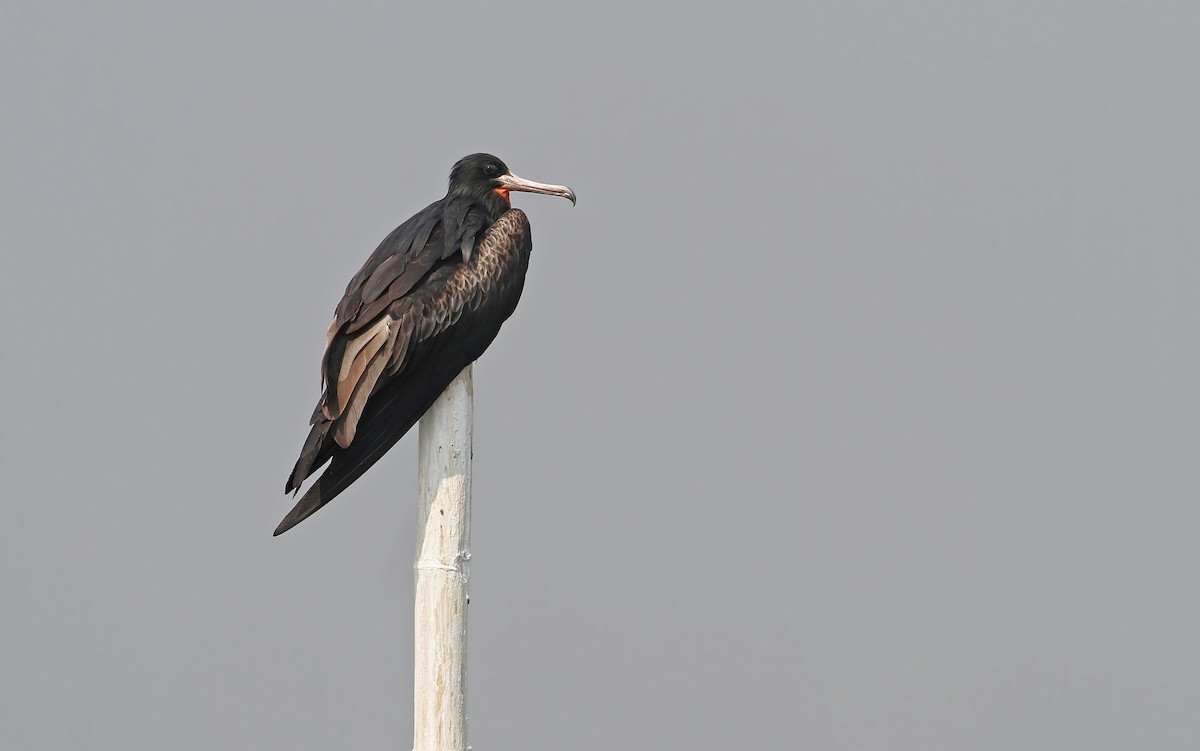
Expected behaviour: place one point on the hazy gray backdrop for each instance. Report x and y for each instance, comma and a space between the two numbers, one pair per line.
856, 405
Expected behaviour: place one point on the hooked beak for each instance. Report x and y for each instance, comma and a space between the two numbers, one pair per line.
512, 182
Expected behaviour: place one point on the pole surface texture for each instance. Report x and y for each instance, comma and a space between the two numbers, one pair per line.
443, 540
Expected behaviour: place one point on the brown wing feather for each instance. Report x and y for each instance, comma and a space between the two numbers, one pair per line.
347, 423
355, 362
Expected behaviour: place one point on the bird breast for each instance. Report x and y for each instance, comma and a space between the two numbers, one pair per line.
498, 261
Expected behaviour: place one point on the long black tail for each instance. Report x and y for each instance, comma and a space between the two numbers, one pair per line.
391, 412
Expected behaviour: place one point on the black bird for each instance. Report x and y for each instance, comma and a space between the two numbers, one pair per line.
426, 304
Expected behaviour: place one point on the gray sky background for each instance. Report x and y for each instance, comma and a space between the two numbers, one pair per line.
856, 405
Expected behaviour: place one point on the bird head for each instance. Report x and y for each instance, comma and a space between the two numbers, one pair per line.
488, 180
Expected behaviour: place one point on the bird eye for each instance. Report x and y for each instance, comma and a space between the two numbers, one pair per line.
491, 170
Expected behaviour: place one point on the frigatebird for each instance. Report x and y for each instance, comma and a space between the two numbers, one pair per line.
426, 304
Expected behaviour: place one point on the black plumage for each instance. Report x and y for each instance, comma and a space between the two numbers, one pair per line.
426, 304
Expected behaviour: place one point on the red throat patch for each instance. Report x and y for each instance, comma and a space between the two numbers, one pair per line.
503, 193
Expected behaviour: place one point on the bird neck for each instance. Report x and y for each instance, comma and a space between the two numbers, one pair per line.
493, 202
496, 203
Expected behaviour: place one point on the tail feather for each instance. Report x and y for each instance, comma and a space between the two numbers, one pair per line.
390, 414
318, 447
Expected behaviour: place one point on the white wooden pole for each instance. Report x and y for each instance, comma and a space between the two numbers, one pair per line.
443, 541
